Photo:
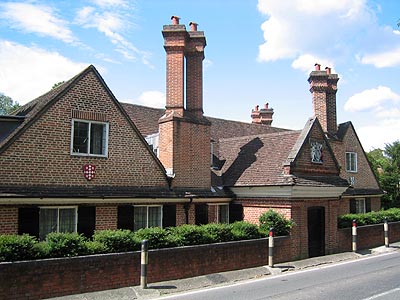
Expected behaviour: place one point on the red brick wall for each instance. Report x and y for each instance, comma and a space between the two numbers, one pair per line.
181, 214
8, 220
106, 217
57, 277
364, 177
303, 162
367, 236
41, 155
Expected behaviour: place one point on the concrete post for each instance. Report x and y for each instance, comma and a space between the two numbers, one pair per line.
143, 264
354, 236
386, 229
271, 247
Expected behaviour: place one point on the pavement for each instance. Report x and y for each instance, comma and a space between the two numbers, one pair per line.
159, 289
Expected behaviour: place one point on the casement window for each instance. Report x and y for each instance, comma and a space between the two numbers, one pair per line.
89, 138
147, 216
153, 141
351, 162
57, 219
223, 213
360, 205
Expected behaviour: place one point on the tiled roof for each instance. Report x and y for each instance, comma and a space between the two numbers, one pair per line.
146, 120
107, 192
257, 160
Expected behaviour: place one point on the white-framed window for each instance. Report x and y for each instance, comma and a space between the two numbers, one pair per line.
147, 216
351, 162
57, 219
359, 206
89, 138
223, 213
153, 141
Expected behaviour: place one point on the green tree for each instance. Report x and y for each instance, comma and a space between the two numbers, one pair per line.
7, 105
386, 165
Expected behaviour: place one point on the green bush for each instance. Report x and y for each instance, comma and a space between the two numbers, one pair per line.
116, 240
272, 219
95, 247
369, 218
65, 244
17, 247
218, 233
242, 230
157, 237
187, 235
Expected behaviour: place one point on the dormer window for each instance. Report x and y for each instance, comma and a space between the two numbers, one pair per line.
89, 138
152, 140
351, 162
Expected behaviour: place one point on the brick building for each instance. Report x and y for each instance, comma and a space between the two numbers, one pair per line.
75, 159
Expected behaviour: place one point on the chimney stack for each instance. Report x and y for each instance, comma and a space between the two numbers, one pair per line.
194, 71
262, 116
185, 136
323, 87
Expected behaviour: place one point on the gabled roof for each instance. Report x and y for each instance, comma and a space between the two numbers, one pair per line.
257, 160
33, 110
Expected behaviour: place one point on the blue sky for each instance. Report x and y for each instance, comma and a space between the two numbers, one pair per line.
257, 52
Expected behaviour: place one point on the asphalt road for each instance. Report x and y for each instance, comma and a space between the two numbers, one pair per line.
375, 277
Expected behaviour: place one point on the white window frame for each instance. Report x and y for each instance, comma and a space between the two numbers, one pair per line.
147, 214
227, 213
106, 133
58, 215
360, 205
153, 141
353, 156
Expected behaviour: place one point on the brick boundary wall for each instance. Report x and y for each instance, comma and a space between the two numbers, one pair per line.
47, 278
367, 236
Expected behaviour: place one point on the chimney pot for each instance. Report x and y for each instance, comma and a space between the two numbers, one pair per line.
328, 70
317, 67
175, 20
266, 105
193, 26
256, 109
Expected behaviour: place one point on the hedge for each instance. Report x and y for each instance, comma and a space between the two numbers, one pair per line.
25, 247
370, 218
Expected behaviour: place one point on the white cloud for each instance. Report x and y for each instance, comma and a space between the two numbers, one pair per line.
306, 63
384, 132
105, 3
383, 59
111, 23
325, 29
154, 99
38, 19
26, 73
371, 99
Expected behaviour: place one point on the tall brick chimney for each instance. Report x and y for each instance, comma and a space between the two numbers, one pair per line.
263, 115
185, 138
323, 87
194, 70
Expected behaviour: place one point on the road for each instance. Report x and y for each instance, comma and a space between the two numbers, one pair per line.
371, 278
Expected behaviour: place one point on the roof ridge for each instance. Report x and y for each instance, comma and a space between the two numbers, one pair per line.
287, 132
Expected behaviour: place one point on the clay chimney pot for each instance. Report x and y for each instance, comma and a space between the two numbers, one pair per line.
175, 20
266, 105
317, 67
193, 26
328, 70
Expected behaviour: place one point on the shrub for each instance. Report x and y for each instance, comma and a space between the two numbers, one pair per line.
65, 244
17, 247
218, 233
157, 237
187, 235
242, 230
121, 240
369, 218
94, 247
272, 219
